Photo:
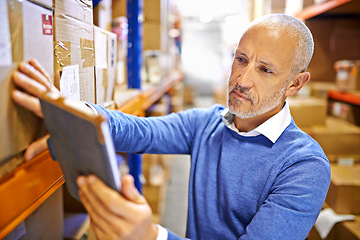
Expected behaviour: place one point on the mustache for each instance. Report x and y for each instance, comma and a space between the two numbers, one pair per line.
244, 91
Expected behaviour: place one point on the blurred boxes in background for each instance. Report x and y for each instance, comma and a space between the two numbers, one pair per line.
177, 97
105, 63
344, 192
309, 111
156, 170
320, 89
336, 137
347, 230
347, 75
74, 48
344, 159
103, 14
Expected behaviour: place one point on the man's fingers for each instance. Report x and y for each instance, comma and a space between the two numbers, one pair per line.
29, 85
99, 212
33, 73
94, 213
110, 198
129, 190
38, 67
29, 102
36, 147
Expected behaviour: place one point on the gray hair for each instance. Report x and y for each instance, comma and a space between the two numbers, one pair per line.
295, 28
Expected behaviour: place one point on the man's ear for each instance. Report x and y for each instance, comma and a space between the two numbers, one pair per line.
296, 83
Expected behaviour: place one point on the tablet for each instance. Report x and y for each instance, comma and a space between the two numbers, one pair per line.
80, 141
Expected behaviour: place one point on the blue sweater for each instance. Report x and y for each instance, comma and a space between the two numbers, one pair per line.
240, 187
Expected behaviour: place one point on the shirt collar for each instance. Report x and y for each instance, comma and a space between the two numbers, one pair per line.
271, 128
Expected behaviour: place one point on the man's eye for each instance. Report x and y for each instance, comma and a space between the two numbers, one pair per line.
264, 69
241, 59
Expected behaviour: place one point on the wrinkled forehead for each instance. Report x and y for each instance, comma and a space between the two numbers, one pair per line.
270, 43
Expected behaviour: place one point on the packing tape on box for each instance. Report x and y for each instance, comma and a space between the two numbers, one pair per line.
62, 58
16, 29
62, 52
87, 52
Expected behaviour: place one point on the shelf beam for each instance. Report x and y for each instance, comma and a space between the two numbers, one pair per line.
318, 9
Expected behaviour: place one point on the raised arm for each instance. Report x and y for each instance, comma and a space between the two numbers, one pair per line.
172, 134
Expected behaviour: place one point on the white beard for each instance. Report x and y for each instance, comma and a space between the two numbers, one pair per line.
266, 106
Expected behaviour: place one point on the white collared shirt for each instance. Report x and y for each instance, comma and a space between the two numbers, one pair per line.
271, 128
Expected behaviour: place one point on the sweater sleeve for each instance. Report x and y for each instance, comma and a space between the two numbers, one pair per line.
292, 207
171, 134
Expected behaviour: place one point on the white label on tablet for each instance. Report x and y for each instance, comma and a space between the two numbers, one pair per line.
69, 83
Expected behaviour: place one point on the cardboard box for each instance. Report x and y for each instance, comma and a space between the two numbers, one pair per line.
46, 222
344, 159
45, 3
308, 112
320, 89
349, 230
103, 14
119, 8
152, 10
105, 62
112, 56
151, 36
336, 137
74, 44
19, 127
344, 192
31, 33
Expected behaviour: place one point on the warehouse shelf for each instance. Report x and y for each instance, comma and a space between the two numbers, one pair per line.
317, 9
346, 97
24, 190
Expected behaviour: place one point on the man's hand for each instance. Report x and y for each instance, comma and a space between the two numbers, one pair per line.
33, 81
115, 216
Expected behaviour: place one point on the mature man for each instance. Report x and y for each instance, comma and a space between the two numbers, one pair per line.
254, 174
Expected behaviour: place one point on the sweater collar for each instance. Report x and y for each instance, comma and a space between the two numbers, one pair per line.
271, 128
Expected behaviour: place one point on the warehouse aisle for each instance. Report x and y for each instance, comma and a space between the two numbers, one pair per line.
175, 211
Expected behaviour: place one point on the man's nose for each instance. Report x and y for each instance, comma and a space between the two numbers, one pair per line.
245, 78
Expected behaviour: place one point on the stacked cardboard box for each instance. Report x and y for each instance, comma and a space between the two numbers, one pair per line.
348, 230
26, 33
308, 112
177, 97
156, 170
336, 137
105, 63
344, 192
74, 49
103, 14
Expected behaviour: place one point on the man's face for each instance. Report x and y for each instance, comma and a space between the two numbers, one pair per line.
260, 71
